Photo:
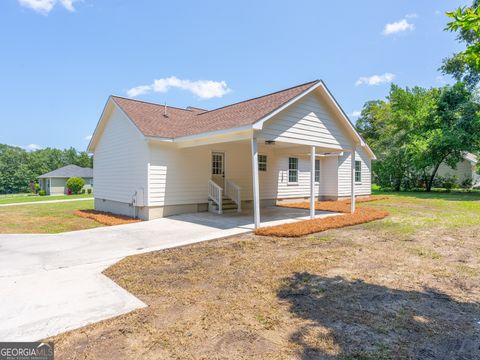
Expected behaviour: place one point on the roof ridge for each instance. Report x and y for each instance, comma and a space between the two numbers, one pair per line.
149, 102
262, 96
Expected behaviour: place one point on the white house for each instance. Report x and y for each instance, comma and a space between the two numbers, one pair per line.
465, 170
152, 160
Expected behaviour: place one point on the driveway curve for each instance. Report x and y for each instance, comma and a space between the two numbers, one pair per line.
54, 283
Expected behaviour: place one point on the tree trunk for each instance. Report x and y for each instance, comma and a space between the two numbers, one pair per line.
432, 177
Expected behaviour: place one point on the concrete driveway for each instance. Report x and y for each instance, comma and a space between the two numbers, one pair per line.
53, 283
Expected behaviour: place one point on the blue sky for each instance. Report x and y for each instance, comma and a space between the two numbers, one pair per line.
61, 59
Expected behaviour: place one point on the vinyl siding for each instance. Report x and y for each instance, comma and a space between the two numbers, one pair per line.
345, 174
307, 122
120, 160
180, 176
464, 170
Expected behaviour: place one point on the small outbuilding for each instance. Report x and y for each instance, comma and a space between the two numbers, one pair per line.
55, 182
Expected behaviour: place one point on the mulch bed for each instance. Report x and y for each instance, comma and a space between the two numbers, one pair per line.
105, 217
342, 206
305, 227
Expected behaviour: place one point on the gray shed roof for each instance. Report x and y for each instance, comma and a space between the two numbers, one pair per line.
69, 171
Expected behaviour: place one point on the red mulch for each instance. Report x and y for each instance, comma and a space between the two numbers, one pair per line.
305, 227
105, 217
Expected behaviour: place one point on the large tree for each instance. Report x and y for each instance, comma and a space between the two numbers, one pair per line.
388, 127
451, 129
465, 65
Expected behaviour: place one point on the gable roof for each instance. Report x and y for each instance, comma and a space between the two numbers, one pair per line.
168, 123
69, 171
150, 119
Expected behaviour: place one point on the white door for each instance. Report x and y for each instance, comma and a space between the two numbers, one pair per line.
218, 168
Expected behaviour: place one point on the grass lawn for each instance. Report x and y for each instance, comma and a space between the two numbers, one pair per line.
45, 218
402, 287
14, 199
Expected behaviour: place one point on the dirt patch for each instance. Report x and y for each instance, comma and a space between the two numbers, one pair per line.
105, 217
306, 227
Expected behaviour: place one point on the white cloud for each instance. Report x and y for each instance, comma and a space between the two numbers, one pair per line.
45, 6
355, 113
88, 137
398, 26
411, 16
32, 147
204, 89
139, 90
375, 79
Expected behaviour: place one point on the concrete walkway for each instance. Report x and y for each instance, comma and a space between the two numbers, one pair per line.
45, 202
53, 283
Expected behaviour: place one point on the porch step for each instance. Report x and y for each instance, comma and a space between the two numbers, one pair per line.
227, 206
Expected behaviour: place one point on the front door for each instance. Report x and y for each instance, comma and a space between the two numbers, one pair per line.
218, 168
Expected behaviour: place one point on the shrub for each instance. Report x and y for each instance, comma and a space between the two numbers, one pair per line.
467, 183
75, 184
42, 193
83, 191
89, 191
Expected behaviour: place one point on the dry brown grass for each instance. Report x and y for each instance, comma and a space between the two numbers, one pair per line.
306, 227
366, 292
105, 217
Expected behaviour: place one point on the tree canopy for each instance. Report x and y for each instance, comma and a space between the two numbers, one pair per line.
18, 167
414, 130
465, 65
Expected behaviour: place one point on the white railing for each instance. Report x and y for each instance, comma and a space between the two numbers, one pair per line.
232, 191
215, 193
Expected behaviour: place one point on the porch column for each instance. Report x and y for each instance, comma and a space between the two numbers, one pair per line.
352, 201
312, 183
255, 186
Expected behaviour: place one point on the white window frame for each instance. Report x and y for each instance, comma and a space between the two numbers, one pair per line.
262, 162
358, 172
217, 165
317, 171
293, 171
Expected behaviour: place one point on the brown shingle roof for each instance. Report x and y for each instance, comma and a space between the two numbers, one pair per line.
150, 119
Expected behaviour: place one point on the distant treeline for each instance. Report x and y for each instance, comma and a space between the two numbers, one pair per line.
19, 168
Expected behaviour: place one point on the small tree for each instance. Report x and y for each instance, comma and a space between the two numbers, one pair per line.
75, 184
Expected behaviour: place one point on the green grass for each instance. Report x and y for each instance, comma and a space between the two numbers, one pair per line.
45, 218
20, 198
414, 211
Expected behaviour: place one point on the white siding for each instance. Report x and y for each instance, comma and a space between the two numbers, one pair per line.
120, 160
464, 170
345, 174
308, 122
180, 176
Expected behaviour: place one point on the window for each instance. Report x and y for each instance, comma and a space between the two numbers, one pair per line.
217, 164
292, 170
262, 162
358, 171
317, 170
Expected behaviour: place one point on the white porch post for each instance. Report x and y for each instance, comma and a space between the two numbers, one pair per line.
255, 186
352, 201
312, 183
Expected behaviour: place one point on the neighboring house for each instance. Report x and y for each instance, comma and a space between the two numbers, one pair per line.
152, 160
55, 182
466, 170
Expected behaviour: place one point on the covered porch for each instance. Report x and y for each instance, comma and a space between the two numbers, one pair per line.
248, 177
